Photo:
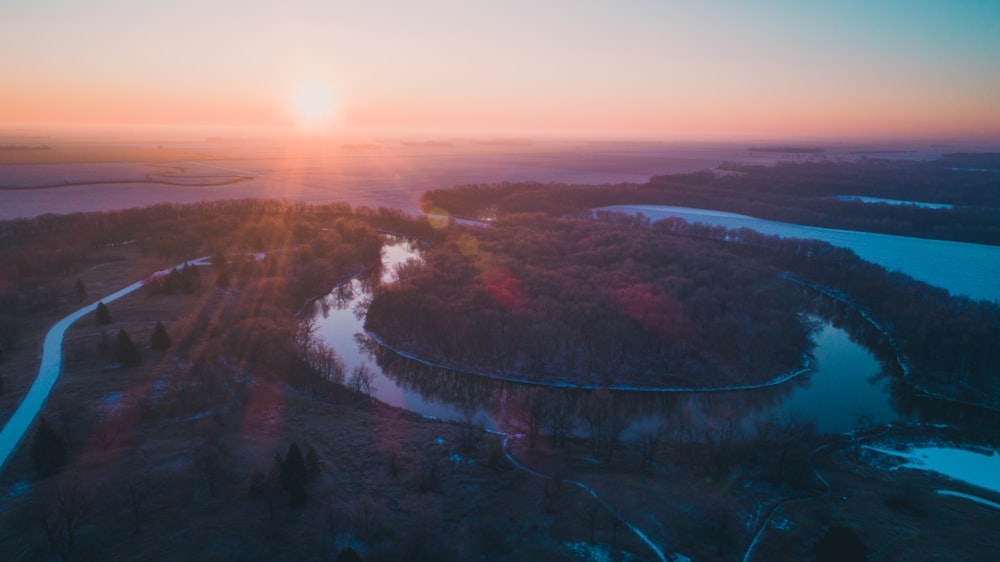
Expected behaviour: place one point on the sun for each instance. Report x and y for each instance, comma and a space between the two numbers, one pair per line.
313, 102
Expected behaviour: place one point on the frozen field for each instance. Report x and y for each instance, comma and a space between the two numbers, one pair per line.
390, 173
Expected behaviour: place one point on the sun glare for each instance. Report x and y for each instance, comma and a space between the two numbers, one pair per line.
313, 102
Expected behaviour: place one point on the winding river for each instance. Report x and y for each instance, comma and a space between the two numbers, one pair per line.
848, 386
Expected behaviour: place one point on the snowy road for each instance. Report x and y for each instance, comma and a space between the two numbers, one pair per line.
51, 365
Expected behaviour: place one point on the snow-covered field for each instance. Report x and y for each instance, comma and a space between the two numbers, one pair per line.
961, 268
389, 174
978, 469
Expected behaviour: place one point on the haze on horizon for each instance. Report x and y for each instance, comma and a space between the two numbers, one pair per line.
637, 68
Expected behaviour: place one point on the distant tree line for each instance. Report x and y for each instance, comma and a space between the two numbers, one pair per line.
25, 147
801, 193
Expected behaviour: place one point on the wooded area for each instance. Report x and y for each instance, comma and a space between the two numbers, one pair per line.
583, 302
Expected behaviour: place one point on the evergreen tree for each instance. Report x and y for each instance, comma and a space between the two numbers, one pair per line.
125, 351
348, 554
160, 339
102, 315
312, 465
258, 483
293, 475
50, 451
840, 544
191, 278
80, 289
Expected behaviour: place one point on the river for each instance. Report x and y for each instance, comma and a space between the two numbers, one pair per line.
849, 384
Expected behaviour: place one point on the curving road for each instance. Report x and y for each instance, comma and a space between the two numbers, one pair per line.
48, 371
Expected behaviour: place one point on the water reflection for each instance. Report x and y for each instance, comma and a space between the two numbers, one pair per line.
856, 380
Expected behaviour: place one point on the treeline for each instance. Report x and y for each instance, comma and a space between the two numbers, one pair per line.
801, 193
25, 147
142, 224
40, 253
584, 302
946, 341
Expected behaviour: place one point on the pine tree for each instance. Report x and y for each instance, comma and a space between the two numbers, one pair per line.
160, 339
125, 351
348, 554
81, 290
102, 315
312, 465
191, 278
293, 475
840, 544
258, 483
49, 451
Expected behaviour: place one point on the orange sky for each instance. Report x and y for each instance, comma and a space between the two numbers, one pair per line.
635, 68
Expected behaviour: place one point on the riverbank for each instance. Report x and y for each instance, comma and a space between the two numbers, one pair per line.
900, 358
521, 378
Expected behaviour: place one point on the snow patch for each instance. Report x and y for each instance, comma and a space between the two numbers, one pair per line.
592, 552
16, 490
976, 499
973, 468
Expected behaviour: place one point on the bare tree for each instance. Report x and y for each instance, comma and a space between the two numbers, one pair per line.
325, 361
362, 380
65, 511
136, 493
209, 461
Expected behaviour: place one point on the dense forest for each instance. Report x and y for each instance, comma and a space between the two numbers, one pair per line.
583, 302
802, 193
944, 342
671, 304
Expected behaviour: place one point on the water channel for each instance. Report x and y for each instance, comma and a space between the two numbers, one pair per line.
850, 383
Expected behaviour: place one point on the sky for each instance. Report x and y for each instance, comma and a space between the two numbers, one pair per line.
628, 68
